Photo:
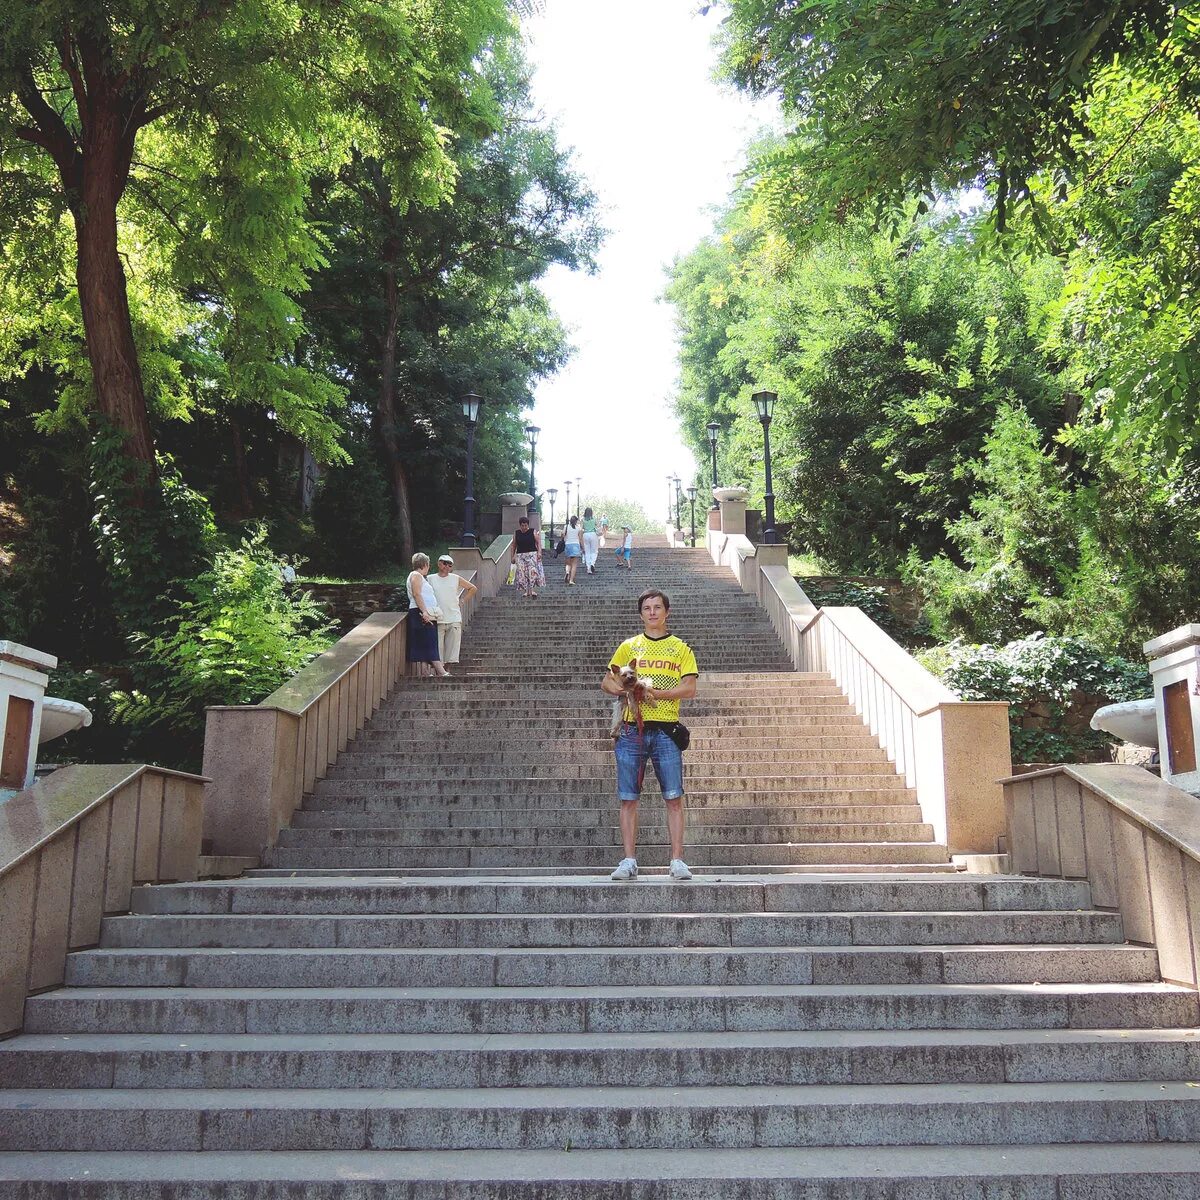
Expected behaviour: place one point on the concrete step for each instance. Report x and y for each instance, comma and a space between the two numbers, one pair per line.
611, 1009
1150, 1171
587, 967
531, 859
596, 1060
393, 812
600, 1118
612, 930
285, 897
598, 794
594, 835
646, 871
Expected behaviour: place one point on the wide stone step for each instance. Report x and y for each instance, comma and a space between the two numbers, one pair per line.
397, 813
645, 871
599, 756
587, 967
532, 858
597, 835
598, 1118
551, 773
964, 893
609, 1009
1153, 1171
613, 930
515, 793
732, 743
596, 1060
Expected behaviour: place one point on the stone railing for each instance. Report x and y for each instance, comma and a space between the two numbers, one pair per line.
1134, 838
262, 758
952, 752
72, 847
487, 569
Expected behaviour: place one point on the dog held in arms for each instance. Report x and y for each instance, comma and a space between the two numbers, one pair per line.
634, 693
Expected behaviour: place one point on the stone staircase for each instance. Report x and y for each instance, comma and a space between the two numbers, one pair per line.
432, 989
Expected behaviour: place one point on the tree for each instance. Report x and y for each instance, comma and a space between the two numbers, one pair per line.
893, 101
198, 125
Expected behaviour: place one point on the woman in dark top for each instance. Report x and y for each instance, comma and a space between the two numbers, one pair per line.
527, 554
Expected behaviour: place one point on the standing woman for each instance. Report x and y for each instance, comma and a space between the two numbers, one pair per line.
573, 549
526, 554
422, 618
591, 541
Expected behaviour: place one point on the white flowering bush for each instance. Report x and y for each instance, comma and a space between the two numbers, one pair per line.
1053, 685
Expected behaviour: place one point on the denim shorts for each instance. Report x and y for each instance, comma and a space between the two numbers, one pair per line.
654, 745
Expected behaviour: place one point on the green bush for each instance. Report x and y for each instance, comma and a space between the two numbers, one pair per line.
238, 633
1053, 685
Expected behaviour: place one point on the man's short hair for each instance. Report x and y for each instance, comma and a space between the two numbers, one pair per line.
646, 595
523, 521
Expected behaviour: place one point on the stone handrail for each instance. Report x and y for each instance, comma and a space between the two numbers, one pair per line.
487, 569
1134, 838
262, 758
72, 847
951, 752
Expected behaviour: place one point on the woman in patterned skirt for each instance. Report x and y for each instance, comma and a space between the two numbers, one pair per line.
526, 552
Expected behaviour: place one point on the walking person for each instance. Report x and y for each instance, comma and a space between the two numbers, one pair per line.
668, 662
603, 531
450, 590
591, 541
526, 553
422, 640
573, 548
625, 549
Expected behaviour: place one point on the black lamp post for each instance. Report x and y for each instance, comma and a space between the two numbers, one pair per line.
765, 403
670, 481
692, 501
578, 493
678, 502
567, 514
552, 493
532, 431
470, 407
713, 429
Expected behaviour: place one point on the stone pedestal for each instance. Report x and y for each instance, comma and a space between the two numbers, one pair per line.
513, 509
733, 517
1175, 668
23, 679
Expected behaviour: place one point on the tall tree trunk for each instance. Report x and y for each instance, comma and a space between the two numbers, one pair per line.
387, 417
107, 147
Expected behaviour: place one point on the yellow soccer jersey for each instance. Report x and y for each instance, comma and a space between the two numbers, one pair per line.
664, 660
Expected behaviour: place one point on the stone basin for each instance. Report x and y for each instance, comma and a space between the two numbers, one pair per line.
62, 716
1132, 721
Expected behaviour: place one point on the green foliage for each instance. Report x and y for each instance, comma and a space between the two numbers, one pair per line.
238, 633
871, 598
352, 519
1053, 685
889, 101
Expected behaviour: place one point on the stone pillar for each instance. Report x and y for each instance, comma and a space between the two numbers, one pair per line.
23, 679
1175, 668
733, 517
514, 506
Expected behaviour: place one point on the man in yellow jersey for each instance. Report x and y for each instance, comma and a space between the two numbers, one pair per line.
669, 662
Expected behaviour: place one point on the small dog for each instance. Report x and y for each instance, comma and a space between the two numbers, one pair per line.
635, 692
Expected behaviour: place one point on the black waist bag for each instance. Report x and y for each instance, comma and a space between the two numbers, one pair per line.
680, 734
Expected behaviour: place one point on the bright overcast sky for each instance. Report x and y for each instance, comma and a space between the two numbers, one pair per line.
629, 84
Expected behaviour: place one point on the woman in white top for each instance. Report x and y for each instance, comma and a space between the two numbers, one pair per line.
422, 640
573, 549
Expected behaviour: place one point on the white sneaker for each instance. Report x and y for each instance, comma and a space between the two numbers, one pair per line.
626, 869
679, 869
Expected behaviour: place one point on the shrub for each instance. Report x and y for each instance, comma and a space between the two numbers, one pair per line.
238, 633
1053, 685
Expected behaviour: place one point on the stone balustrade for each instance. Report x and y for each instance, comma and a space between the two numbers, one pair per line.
1134, 838
952, 752
72, 848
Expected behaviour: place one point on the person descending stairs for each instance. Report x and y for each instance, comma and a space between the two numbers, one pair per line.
432, 989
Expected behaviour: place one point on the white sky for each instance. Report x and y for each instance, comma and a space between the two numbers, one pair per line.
629, 84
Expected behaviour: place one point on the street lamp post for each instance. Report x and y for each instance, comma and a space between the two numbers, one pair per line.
552, 493
765, 403
470, 408
578, 493
713, 429
567, 510
678, 503
670, 481
692, 501
532, 431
